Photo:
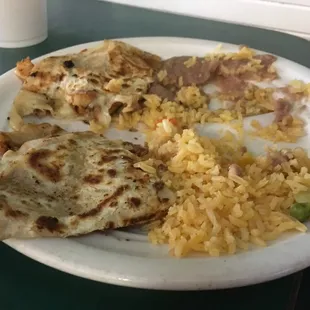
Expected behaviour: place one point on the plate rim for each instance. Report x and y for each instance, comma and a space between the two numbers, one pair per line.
40, 249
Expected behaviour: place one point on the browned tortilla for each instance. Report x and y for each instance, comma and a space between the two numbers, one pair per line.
76, 183
91, 85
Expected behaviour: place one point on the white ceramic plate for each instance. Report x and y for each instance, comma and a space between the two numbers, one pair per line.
125, 257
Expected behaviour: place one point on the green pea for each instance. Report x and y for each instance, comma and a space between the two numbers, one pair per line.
300, 211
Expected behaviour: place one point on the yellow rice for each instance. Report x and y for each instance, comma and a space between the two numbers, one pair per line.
273, 132
217, 212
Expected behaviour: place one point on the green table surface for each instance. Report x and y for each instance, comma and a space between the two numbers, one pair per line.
26, 284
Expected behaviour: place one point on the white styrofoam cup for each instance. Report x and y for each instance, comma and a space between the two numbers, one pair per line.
22, 22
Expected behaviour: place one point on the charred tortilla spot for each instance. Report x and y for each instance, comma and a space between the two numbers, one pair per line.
136, 149
50, 223
35, 161
4, 147
61, 147
40, 113
115, 151
105, 159
162, 168
14, 213
106, 202
145, 218
61, 77
113, 204
68, 64
90, 213
93, 179
144, 179
116, 108
159, 185
112, 173
71, 141
110, 225
135, 202
94, 81
120, 190
79, 110
140, 150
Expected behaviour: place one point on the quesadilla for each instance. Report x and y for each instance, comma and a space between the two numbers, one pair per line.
91, 85
15, 139
76, 183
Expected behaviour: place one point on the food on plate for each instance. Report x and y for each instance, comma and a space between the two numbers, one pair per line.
178, 93
227, 198
197, 193
288, 130
185, 71
192, 107
249, 66
112, 81
300, 211
90, 85
76, 183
